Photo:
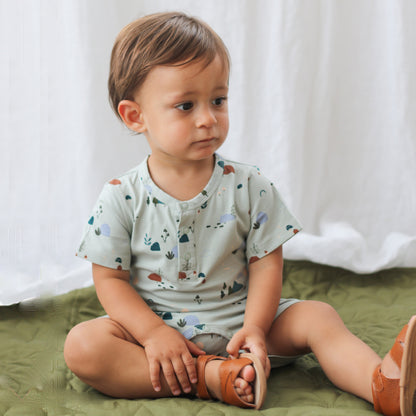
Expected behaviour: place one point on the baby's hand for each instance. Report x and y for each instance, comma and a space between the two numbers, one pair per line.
251, 339
167, 350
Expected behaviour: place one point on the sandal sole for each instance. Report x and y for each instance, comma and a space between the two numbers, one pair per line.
408, 372
260, 382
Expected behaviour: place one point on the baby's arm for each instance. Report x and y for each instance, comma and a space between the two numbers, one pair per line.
165, 347
265, 287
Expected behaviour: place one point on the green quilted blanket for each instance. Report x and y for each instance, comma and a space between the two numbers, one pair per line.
35, 381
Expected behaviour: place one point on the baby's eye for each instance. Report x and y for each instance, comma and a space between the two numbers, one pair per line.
219, 101
185, 106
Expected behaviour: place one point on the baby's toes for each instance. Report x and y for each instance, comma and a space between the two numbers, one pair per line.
244, 390
248, 373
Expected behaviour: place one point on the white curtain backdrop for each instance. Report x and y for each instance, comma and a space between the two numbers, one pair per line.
322, 99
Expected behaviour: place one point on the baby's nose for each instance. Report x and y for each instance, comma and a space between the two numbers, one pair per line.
205, 117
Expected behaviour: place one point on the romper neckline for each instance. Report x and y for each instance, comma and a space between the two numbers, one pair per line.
158, 196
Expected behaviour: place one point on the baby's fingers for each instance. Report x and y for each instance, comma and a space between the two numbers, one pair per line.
171, 377
181, 372
193, 348
190, 365
154, 372
261, 352
235, 344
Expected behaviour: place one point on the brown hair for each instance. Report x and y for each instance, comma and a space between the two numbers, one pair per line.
159, 39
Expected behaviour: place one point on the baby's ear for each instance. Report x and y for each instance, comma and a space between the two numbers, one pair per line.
132, 116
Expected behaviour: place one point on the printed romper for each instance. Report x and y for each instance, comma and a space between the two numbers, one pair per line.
188, 259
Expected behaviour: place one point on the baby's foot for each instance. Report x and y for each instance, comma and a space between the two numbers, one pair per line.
389, 368
394, 381
242, 383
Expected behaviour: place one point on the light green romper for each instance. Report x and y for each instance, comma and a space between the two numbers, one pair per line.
188, 259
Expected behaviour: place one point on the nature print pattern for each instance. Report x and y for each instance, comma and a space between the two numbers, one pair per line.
189, 259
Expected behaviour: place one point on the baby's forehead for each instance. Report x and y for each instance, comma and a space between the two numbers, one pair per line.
194, 77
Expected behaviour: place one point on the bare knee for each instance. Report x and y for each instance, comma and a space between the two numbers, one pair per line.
80, 351
323, 322
302, 325
320, 314
321, 309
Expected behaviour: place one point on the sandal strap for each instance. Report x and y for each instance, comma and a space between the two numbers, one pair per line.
386, 393
229, 371
396, 351
201, 386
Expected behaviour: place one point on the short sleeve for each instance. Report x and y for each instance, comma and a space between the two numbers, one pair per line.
272, 224
107, 235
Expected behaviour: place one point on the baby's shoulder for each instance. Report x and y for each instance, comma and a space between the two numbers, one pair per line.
125, 186
126, 178
235, 166
243, 171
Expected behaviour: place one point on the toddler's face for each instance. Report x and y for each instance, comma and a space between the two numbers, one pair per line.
184, 110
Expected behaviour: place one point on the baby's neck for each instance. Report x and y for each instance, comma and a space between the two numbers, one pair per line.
181, 181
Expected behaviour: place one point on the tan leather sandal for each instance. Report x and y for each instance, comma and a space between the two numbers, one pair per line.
229, 371
397, 397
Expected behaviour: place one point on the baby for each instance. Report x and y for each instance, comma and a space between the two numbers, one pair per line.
186, 250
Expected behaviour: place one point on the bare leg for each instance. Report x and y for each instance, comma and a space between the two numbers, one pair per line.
316, 327
105, 356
